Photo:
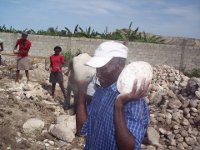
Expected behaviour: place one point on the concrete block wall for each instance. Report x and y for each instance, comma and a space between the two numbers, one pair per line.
176, 55
155, 53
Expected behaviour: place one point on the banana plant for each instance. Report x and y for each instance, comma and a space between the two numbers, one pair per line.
126, 34
151, 38
68, 32
106, 34
88, 33
31, 31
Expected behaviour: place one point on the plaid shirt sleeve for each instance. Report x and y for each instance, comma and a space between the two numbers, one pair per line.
137, 119
93, 105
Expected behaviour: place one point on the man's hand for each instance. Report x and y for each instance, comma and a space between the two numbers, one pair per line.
67, 73
15, 52
47, 69
135, 94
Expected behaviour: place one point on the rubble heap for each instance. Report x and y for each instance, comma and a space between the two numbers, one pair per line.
174, 102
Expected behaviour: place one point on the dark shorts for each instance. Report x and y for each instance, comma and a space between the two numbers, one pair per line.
56, 77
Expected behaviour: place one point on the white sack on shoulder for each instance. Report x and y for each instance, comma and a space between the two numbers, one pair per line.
82, 71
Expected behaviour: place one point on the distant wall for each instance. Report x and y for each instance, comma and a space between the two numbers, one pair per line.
180, 53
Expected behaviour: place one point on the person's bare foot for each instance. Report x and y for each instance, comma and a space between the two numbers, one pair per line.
52, 95
28, 80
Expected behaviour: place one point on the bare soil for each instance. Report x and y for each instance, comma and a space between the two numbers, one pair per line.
14, 112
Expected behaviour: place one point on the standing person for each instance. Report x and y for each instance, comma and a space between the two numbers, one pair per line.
22, 55
112, 121
1, 49
56, 75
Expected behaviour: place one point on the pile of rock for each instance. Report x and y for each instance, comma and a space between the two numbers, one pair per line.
174, 102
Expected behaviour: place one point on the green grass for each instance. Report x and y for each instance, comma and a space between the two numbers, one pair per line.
68, 56
192, 73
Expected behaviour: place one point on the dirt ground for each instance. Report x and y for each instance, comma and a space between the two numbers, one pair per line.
14, 112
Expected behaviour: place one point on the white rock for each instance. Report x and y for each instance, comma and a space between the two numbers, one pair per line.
61, 119
51, 142
194, 110
176, 127
29, 94
173, 142
39, 142
137, 70
67, 120
185, 122
197, 93
46, 144
183, 84
2, 90
62, 132
19, 134
174, 103
17, 97
163, 131
32, 125
18, 140
153, 136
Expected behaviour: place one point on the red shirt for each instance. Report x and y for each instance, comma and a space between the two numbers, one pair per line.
56, 62
23, 47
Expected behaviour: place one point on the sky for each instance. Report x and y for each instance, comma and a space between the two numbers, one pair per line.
178, 18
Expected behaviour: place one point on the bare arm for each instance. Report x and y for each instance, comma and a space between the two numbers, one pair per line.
124, 138
24, 52
48, 68
50, 63
15, 46
81, 114
1, 44
15, 52
70, 68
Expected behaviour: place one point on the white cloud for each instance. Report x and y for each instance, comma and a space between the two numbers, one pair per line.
187, 12
89, 7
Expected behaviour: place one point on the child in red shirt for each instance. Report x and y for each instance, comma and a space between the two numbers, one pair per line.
56, 75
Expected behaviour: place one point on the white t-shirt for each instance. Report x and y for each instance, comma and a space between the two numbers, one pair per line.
92, 86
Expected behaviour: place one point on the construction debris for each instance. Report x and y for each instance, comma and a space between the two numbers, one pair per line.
174, 103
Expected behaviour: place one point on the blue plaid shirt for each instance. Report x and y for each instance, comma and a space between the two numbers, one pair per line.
99, 126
